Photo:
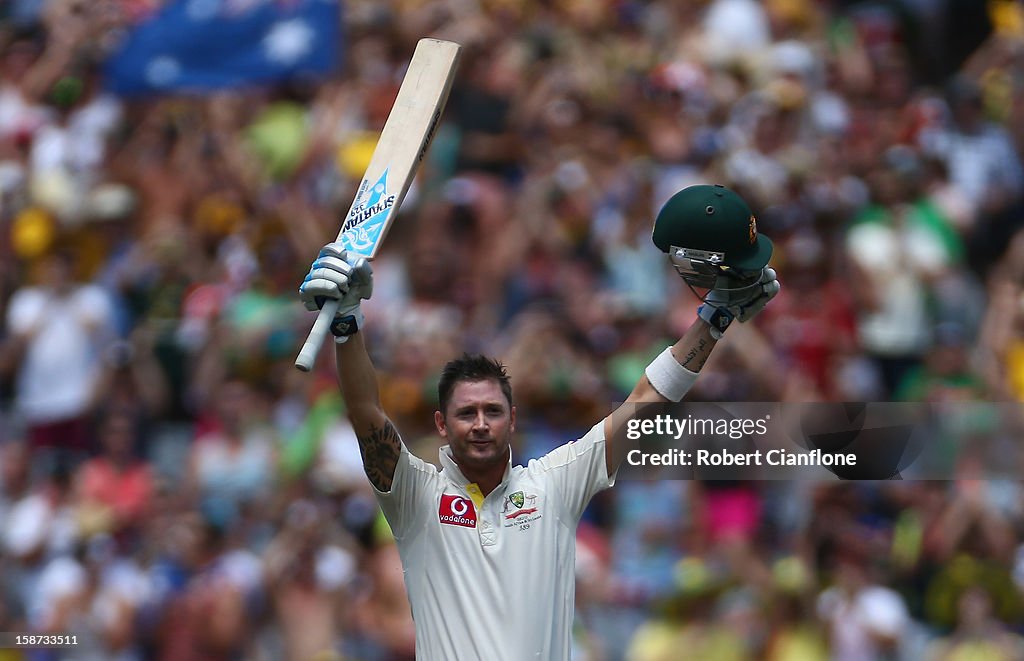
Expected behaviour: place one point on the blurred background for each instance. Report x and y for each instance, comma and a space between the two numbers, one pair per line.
172, 488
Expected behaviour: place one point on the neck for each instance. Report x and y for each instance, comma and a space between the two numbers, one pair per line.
486, 477
487, 481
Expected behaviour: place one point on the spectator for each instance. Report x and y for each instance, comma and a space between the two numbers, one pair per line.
206, 618
978, 633
114, 489
865, 620
985, 166
894, 251
232, 463
60, 362
307, 577
945, 374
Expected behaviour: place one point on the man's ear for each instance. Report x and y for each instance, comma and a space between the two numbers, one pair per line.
442, 429
512, 420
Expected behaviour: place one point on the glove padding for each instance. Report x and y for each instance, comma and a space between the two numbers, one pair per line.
731, 299
346, 278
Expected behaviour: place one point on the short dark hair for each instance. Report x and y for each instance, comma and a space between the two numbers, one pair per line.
471, 367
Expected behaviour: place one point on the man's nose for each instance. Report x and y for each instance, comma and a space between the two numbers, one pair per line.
480, 421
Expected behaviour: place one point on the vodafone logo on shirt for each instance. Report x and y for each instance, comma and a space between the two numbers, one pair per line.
457, 511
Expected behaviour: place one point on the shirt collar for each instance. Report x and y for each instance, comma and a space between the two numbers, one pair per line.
451, 469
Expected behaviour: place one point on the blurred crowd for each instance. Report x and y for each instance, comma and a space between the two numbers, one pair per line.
172, 488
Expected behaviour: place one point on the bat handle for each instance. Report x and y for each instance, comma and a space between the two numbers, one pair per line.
321, 329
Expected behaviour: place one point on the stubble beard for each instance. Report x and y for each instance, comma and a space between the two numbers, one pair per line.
474, 457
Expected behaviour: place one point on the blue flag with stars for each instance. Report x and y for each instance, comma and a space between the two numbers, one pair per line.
203, 45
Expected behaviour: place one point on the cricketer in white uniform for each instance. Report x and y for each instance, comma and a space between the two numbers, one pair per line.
493, 577
488, 548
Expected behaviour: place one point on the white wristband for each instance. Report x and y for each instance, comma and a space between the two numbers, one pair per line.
668, 377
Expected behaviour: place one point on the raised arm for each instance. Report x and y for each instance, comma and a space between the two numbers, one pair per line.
379, 443
349, 278
711, 240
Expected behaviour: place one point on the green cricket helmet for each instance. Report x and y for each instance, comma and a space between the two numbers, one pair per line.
709, 231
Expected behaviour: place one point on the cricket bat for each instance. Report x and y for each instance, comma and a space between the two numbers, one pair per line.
402, 144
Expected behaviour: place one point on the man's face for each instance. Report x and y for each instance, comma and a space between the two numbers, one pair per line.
478, 424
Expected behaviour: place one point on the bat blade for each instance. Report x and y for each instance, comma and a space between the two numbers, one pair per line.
403, 142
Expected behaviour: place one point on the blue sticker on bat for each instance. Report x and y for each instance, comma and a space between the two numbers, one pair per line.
366, 221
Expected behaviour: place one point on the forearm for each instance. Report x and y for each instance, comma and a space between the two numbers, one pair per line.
690, 352
357, 379
379, 443
695, 346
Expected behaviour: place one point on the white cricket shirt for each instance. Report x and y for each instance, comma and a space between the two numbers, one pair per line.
494, 582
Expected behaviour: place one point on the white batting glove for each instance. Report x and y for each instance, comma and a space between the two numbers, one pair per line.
346, 278
731, 299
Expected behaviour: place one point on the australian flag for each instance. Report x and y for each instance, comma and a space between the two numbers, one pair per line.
202, 45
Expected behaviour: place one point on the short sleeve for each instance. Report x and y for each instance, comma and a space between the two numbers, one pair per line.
407, 501
577, 470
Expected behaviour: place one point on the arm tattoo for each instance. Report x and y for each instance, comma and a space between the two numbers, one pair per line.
696, 356
380, 449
